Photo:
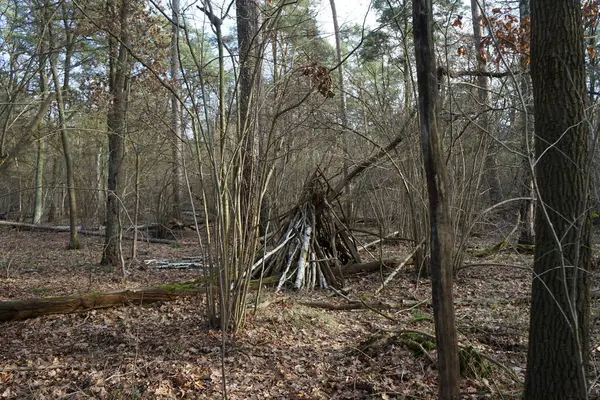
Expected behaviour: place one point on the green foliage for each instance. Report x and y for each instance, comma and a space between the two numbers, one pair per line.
417, 343
418, 315
298, 29
40, 290
375, 44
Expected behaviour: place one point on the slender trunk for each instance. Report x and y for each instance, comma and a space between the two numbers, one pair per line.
343, 113
53, 206
439, 209
136, 207
485, 101
176, 113
72, 199
100, 214
19, 191
38, 204
526, 211
116, 121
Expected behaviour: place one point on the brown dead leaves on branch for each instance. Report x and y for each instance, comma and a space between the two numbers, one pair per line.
509, 34
320, 77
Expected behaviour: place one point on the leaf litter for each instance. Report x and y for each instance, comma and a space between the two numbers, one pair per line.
287, 349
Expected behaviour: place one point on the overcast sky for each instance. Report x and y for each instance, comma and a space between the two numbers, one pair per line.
349, 12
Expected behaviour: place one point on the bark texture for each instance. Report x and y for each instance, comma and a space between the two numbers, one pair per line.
176, 113
24, 309
558, 336
116, 119
439, 210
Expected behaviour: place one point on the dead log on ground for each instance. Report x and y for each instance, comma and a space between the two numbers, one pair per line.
354, 305
23, 309
184, 263
372, 266
47, 228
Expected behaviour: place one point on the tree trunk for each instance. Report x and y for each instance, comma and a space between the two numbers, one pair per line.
61, 90
116, 121
249, 81
176, 114
53, 209
100, 198
343, 114
249, 178
439, 210
484, 93
527, 235
23, 309
558, 335
38, 202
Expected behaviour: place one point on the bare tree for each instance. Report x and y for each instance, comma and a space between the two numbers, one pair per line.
118, 79
528, 206
61, 92
439, 210
176, 111
343, 112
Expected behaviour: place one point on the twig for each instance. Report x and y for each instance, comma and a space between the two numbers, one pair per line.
391, 276
433, 339
38, 368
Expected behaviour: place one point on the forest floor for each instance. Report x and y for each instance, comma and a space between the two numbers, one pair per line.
287, 349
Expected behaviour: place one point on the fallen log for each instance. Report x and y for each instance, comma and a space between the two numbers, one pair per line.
372, 266
397, 269
354, 305
47, 228
185, 263
23, 309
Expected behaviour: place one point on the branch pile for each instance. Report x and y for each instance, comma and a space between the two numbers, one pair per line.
313, 247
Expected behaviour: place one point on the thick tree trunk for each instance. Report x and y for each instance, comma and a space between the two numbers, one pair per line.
439, 210
558, 336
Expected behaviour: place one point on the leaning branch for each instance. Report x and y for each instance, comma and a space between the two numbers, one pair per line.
26, 136
365, 164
